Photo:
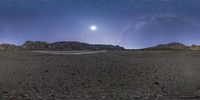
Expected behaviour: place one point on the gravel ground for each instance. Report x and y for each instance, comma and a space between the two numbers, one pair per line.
111, 75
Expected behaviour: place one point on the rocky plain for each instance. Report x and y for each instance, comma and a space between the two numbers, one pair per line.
117, 74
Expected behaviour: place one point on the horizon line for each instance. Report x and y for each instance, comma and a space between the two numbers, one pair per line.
1, 43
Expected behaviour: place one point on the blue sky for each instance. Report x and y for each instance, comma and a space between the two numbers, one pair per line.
129, 23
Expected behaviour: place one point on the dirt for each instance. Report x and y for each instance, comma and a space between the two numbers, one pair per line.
111, 75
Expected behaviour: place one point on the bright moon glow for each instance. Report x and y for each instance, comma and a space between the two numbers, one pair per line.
93, 28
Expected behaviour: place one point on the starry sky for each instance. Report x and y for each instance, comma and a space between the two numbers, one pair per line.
128, 23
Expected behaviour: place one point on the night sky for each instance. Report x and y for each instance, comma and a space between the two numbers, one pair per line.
128, 23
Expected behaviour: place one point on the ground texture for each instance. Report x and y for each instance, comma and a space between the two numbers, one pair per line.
111, 75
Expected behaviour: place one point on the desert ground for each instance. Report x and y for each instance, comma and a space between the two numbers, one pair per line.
110, 75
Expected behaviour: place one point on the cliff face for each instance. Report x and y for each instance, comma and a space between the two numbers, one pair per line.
30, 45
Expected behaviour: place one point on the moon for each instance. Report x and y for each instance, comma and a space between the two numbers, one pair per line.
93, 28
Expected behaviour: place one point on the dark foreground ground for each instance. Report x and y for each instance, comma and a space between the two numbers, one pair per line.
114, 75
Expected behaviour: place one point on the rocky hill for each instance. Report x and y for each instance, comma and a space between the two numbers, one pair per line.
10, 47
174, 46
39, 45
30, 45
195, 47
170, 46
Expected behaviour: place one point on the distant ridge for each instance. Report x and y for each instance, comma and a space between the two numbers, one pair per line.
169, 46
195, 47
10, 47
174, 46
74, 45
64, 45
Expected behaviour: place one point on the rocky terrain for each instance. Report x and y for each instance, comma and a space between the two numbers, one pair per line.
112, 75
59, 46
30, 45
10, 47
67, 46
195, 47
174, 46
170, 46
